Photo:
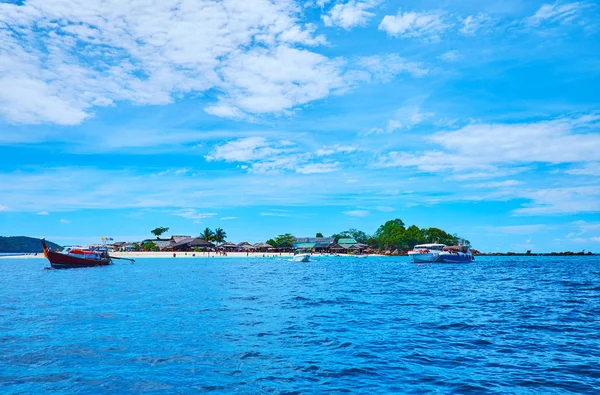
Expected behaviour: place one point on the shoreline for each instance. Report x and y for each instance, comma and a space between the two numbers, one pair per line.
188, 255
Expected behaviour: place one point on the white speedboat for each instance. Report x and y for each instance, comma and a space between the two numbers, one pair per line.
456, 254
301, 257
426, 253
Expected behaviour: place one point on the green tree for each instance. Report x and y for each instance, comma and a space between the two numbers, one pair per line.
391, 235
207, 234
149, 246
219, 235
358, 235
414, 236
284, 240
319, 234
272, 243
436, 235
159, 231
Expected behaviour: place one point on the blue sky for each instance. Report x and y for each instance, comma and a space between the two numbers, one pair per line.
260, 117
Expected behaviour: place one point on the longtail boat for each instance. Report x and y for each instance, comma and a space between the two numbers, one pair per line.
75, 258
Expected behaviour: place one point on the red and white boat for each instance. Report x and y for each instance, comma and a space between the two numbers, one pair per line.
76, 257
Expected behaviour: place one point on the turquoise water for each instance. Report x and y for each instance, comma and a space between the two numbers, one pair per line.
375, 325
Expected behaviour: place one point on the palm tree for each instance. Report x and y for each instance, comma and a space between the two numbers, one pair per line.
207, 234
219, 235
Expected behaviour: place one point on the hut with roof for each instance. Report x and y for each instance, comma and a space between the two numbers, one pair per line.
228, 246
262, 247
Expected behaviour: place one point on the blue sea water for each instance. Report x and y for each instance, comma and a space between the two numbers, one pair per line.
376, 325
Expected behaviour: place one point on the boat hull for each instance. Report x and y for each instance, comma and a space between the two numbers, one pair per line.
455, 258
64, 261
301, 258
424, 257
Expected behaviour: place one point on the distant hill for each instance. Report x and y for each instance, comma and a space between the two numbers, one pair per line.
24, 244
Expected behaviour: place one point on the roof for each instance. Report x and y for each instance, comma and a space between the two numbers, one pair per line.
182, 242
338, 247
347, 241
162, 243
304, 245
228, 244
329, 240
429, 245
177, 239
262, 245
198, 242
243, 243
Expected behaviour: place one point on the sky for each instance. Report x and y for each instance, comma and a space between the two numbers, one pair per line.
266, 117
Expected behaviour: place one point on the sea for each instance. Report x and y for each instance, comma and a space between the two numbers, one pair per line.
499, 325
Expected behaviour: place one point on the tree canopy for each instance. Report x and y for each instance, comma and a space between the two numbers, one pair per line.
319, 234
159, 231
358, 235
219, 235
207, 234
284, 240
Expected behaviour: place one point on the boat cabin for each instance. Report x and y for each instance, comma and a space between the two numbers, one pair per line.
434, 247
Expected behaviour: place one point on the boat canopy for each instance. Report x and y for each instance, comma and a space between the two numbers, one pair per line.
457, 248
430, 246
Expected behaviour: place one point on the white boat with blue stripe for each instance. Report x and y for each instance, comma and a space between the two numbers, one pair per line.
426, 253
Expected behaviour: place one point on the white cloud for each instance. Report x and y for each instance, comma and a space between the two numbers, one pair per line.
246, 150
498, 184
312, 168
385, 209
65, 221
404, 118
274, 214
474, 23
560, 13
43, 213
589, 169
193, 214
357, 213
483, 146
336, 149
350, 14
62, 58
386, 66
3, 208
227, 218
451, 56
262, 81
415, 24
571, 200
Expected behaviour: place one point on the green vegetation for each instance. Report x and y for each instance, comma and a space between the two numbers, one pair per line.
319, 234
219, 235
284, 240
394, 235
358, 235
207, 234
149, 246
159, 231
24, 244
272, 243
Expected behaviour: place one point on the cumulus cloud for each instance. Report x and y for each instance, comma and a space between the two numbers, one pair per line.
62, 58
481, 146
350, 14
429, 24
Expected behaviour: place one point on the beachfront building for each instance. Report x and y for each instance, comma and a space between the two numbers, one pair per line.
228, 246
191, 244
262, 247
315, 244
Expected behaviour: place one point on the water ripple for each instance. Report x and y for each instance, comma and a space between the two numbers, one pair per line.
499, 325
